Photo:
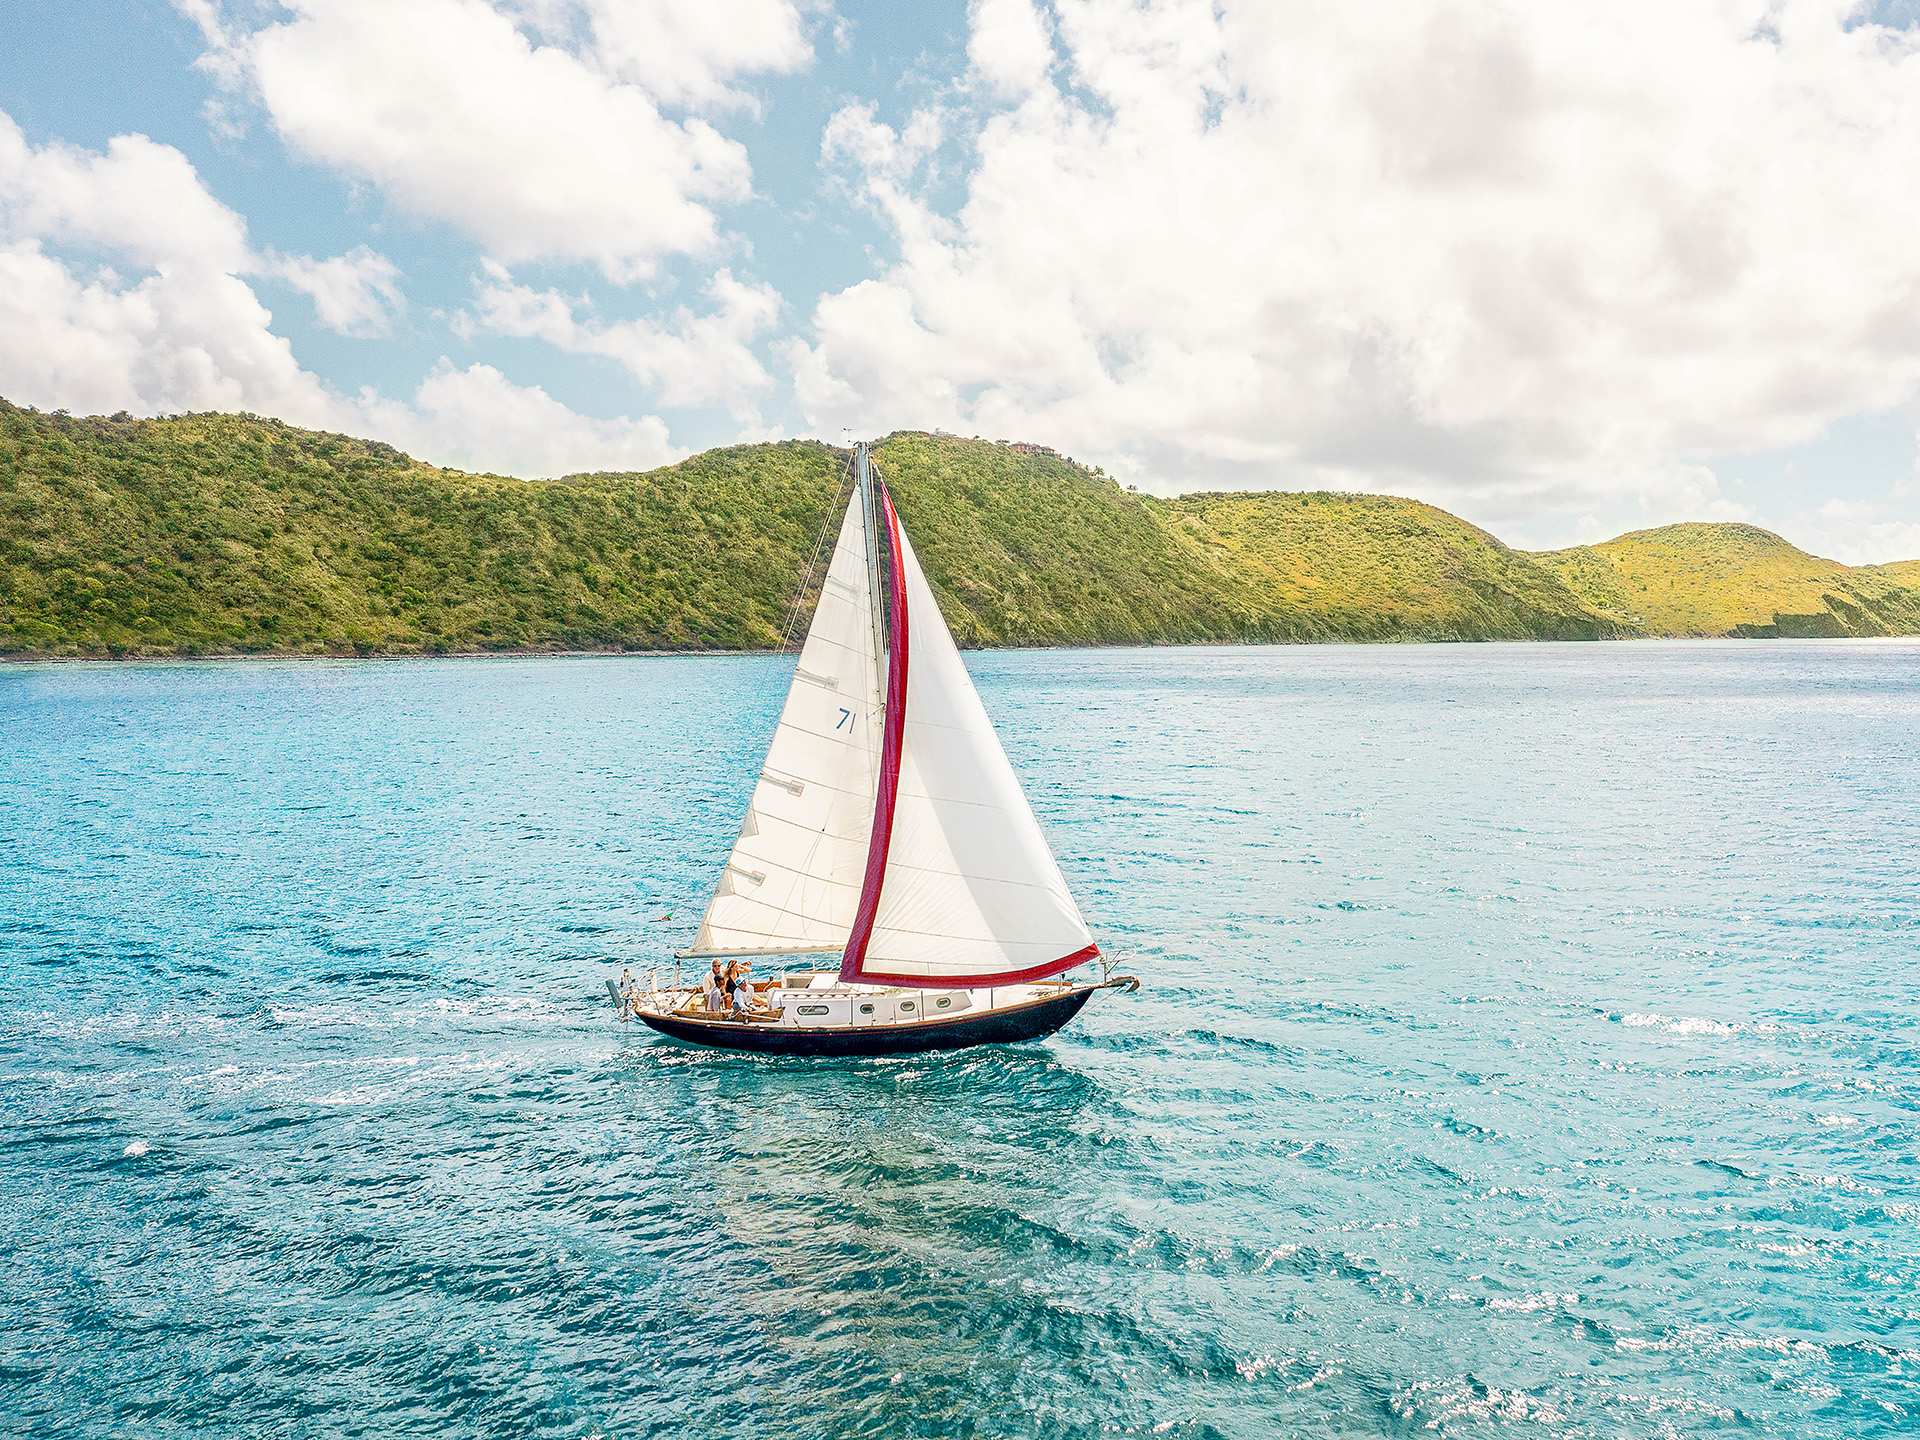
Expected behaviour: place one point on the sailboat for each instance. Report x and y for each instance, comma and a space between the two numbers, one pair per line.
886, 829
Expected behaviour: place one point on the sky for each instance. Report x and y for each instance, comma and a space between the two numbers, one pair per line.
1564, 269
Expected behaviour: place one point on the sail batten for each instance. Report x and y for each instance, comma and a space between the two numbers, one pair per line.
775, 950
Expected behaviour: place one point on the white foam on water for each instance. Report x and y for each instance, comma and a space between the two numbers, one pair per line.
1528, 1304
355, 1095
1705, 1340
59, 1025
1274, 1256
1319, 1377
135, 1150
1845, 1184
1675, 1405
1680, 1024
319, 1016
522, 1007
406, 1070
1699, 1024
1467, 1402
1254, 1367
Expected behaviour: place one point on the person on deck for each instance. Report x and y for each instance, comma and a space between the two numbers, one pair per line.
716, 990
747, 1005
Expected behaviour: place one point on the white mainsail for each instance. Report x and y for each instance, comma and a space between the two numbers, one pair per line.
793, 881
970, 893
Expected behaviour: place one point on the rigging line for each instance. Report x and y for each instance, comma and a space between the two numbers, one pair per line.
806, 580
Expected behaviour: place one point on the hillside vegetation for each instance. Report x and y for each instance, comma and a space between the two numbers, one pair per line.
1900, 572
1735, 580
229, 534
1373, 567
219, 533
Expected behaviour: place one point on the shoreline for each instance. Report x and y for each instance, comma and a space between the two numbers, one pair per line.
231, 657
295, 656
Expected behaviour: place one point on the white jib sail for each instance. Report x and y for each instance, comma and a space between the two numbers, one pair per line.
793, 880
971, 888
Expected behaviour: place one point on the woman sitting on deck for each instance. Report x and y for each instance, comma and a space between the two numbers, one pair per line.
747, 1005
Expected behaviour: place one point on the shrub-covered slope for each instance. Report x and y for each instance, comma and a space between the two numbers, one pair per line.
219, 533
1718, 579
1900, 572
1024, 547
224, 534
1374, 567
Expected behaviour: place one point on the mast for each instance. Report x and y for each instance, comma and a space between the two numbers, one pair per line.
869, 513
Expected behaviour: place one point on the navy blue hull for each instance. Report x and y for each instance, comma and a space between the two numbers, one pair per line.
1006, 1027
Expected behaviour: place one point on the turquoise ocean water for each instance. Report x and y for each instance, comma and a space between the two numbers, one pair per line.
1530, 1046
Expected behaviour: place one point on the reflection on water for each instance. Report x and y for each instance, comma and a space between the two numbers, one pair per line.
1527, 1043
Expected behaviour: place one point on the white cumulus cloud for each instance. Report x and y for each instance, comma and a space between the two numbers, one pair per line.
537, 129
1008, 45
477, 419
196, 339
124, 285
689, 52
1525, 259
356, 294
186, 333
138, 198
693, 358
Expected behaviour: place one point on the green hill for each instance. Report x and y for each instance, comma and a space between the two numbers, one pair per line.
220, 533
1026, 548
1737, 580
1374, 567
1900, 572
229, 534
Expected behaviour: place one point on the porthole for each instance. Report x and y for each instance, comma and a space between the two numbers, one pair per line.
906, 1004
943, 1002
813, 1009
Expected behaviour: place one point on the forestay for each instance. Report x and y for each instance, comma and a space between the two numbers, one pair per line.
792, 884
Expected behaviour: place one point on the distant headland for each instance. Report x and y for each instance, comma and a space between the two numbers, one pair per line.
235, 535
